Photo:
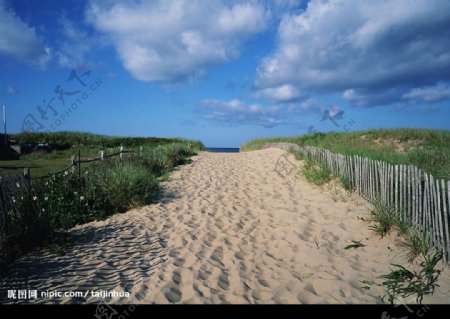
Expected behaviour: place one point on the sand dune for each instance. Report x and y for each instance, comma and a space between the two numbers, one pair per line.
229, 228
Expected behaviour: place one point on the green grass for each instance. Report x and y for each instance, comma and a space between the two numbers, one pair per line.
86, 144
427, 149
38, 166
384, 218
316, 174
77, 139
416, 242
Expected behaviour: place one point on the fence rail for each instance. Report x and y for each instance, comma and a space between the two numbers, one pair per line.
422, 200
14, 187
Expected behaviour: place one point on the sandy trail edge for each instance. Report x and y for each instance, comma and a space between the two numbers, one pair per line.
229, 229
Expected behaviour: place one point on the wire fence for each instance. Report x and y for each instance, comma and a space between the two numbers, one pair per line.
18, 199
422, 200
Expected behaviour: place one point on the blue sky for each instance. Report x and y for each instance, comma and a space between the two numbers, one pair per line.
224, 72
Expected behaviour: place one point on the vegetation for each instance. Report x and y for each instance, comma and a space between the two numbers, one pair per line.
74, 139
56, 203
86, 145
316, 174
427, 149
401, 281
405, 283
384, 218
416, 243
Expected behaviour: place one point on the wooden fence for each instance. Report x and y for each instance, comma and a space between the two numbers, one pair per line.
421, 200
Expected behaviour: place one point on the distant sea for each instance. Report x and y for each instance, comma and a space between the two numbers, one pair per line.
223, 149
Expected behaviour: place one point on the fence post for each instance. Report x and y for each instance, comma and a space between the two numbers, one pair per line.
102, 154
72, 163
140, 151
121, 149
27, 176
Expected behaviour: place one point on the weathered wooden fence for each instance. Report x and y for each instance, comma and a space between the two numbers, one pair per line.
421, 200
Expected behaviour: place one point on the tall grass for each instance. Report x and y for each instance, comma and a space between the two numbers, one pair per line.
316, 174
427, 149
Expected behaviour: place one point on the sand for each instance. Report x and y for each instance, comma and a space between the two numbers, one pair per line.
228, 228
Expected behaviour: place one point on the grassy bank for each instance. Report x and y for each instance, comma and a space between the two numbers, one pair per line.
427, 149
37, 215
86, 144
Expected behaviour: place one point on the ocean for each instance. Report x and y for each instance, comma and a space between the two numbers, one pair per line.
223, 149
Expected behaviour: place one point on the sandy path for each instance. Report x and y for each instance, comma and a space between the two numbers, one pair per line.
228, 228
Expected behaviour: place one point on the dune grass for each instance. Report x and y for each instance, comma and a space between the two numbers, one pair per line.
86, 145
427, 149
316, 174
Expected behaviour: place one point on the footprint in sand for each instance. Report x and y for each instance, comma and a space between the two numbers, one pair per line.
223, 281
173, 294
176, 277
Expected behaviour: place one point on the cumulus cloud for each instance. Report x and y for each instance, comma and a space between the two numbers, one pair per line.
173, 40
435, 93
282, 93
361, 49
18, 40
240, 112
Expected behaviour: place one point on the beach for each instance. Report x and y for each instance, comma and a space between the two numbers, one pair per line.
227, 228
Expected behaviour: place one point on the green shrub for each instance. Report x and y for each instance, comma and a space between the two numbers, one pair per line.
416, 242
316, 174
404, 282
384, 218
123, 184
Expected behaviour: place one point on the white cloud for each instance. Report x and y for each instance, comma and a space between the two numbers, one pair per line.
435, 93
240, 112
172, 40
361, 48
18, 40
282, 93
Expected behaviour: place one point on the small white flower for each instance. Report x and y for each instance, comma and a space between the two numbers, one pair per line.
81, 198
45, 198
34, 198
66, 173
13, 199
43, 210
17, 184
75, 193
